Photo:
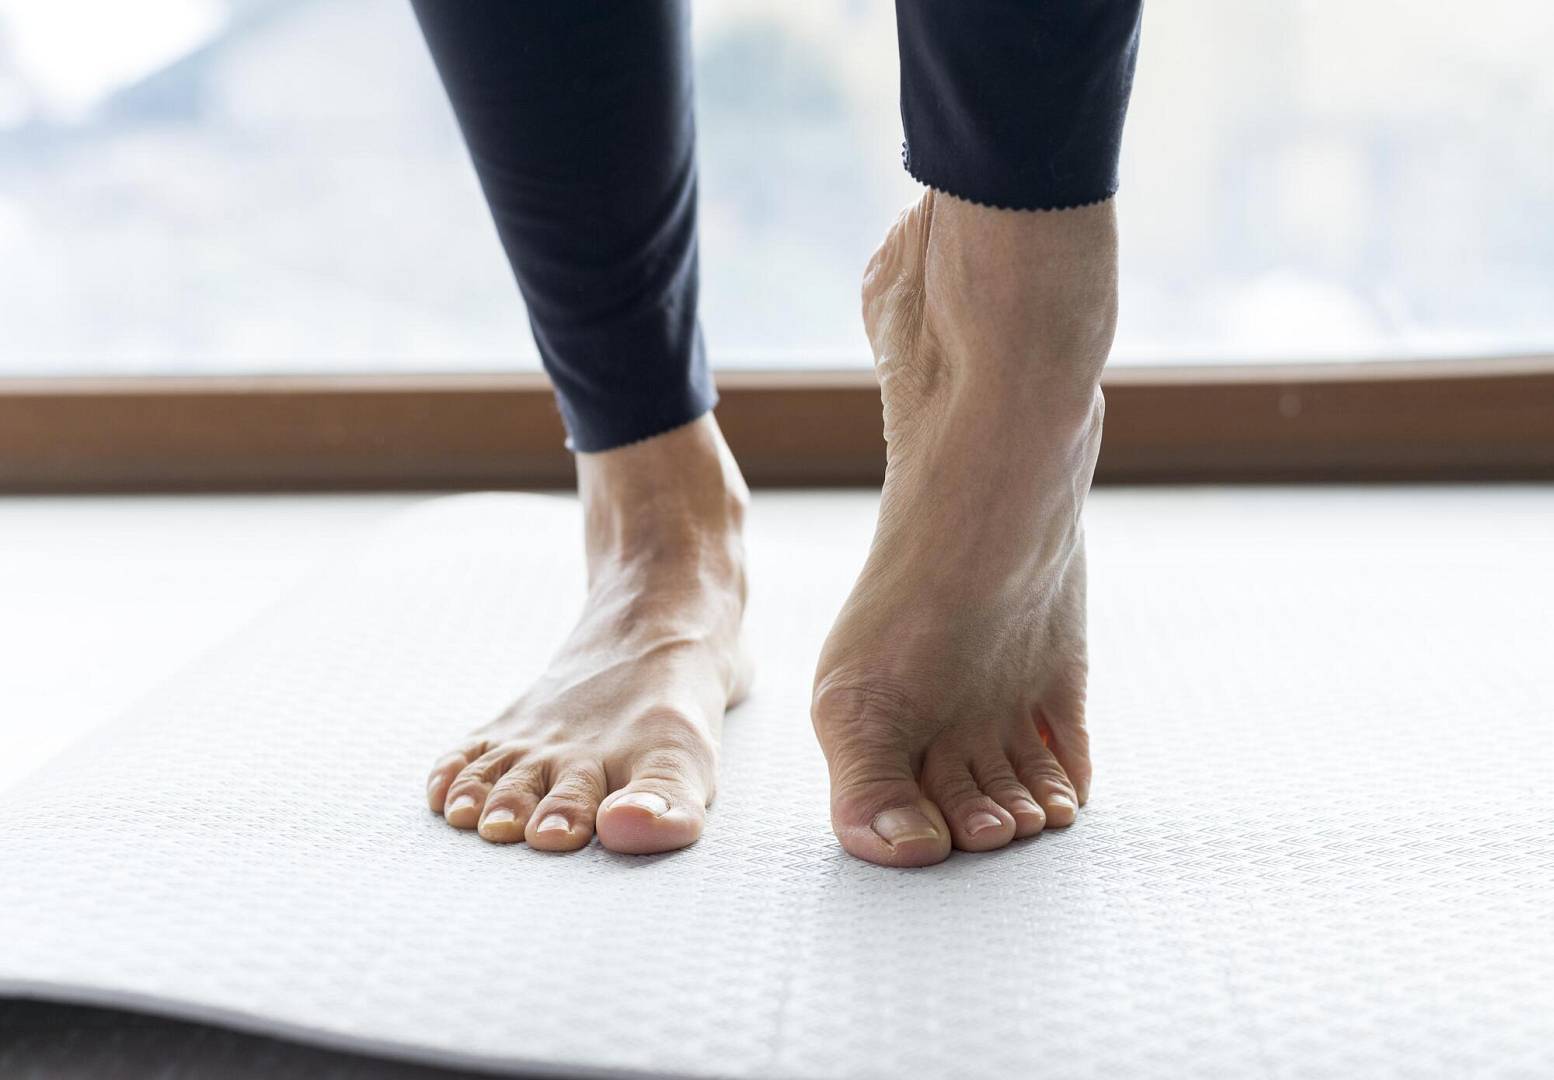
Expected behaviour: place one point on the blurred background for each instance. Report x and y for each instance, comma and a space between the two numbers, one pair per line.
253, 187
277, 186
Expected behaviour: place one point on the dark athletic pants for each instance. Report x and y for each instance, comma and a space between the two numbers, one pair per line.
577, 114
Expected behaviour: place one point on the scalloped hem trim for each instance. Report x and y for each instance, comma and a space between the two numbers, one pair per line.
915, 174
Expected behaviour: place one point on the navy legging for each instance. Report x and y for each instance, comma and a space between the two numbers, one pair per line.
578, 116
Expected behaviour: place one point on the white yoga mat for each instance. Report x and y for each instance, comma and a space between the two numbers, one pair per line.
1321, 841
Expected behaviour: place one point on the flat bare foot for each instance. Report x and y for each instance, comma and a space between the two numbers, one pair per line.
949, 697
620, 734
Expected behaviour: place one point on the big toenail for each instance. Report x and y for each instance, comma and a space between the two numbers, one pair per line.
900, 826
463, 802
553, 823
645, 800
981, 822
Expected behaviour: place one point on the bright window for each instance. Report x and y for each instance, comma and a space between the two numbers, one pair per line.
209, 187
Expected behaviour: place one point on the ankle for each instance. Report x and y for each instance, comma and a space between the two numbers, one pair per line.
673, 495
1023, 303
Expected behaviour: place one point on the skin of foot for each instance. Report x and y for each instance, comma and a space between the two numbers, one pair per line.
949, 696
619, 736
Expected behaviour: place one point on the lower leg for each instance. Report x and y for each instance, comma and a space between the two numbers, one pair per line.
578, 117
949, 698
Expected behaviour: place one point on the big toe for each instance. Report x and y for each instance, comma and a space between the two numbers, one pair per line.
650, 815
891, 823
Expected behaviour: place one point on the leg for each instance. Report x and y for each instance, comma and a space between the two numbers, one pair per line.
578, 118
949, 697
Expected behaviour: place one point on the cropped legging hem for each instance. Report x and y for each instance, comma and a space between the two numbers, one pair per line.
620, 424
1017, 104
960, 191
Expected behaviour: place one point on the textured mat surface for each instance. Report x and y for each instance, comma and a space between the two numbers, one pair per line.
1321, 841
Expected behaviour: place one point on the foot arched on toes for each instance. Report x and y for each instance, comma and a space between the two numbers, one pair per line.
990, 329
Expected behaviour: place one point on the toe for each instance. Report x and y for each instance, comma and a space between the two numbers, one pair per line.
664, 804
653, 813
447, 768
977, 822
996, 777
881, 815
1045, 779
909, 832
1059, 803
510, 804
466, 796
1063, 732
564, 819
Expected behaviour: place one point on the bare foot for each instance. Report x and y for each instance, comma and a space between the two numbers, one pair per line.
620, 734
949, 697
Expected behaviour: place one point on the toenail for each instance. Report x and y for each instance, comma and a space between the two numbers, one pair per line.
463, 802
498, 817
981, 822
1024, 806
656, 805
902, 826
554, 823
434, 783
1057, 798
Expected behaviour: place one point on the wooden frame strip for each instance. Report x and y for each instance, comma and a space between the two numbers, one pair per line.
1444, 420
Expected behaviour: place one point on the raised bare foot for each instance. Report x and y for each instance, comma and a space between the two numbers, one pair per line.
620, 734
949, 697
